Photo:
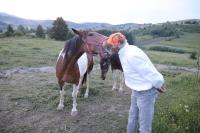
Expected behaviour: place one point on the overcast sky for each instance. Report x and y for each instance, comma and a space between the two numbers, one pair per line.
108, 11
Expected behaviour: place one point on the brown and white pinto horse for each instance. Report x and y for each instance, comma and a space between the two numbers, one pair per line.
73, 64
116, 67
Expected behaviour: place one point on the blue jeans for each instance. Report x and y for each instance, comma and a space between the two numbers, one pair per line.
141, 111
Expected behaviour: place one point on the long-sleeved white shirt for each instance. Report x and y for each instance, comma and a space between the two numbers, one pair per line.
139, 72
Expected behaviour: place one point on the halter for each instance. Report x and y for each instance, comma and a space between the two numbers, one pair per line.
89, 51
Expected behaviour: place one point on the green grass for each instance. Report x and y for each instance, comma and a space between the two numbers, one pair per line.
171, 58
25, 52
143, 37
20, 52
178, 110
189, 42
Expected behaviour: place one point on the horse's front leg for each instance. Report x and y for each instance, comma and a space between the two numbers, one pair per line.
62, 93
87, 85
74, 95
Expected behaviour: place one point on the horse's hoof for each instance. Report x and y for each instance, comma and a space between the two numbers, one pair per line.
74, 113
86, 96
60, 107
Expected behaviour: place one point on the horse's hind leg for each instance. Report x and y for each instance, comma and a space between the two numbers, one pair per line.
114, 80
74, 95
121, 81
87, 85
62, 93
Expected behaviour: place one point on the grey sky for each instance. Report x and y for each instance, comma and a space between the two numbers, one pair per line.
109, 11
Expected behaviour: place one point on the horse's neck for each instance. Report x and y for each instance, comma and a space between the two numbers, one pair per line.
73, 58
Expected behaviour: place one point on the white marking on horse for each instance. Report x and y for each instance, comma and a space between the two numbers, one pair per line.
83, 64
61, 103
87, 84
74, 95
61, 54
114, 80
115, 74
121, 81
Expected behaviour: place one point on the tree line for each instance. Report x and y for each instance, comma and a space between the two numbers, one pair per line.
60, 31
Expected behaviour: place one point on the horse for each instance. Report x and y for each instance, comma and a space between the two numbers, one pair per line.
75, 62
116, 68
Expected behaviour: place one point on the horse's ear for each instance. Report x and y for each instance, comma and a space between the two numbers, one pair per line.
77, 32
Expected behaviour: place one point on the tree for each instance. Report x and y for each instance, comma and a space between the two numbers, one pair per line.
129, 37
10, 31
21, 28
59, 30
40, 32
20, 31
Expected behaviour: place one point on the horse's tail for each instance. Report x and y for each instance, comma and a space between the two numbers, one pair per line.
84, 78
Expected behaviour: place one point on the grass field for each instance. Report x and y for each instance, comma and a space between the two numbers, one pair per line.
171, 58
28, 101
188, 42
24, 52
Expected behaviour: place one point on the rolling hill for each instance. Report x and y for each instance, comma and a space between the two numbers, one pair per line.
6, 19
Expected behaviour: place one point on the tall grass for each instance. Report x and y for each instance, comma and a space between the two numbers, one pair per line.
178, 111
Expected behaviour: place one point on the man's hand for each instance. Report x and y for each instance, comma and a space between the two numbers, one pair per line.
162, 89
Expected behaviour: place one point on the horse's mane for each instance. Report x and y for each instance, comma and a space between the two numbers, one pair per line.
72, 45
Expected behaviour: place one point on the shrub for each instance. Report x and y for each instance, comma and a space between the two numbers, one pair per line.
2, 35
167, 49
193, 55
18, 33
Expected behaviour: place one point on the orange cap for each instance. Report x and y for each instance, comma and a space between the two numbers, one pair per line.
116, 39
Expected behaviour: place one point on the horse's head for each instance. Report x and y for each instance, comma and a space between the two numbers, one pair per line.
104, 65
93, 41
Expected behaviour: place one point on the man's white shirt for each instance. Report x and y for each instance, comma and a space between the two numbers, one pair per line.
139, 72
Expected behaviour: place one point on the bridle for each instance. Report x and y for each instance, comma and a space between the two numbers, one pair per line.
89, 51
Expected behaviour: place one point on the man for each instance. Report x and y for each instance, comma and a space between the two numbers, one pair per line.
142, 77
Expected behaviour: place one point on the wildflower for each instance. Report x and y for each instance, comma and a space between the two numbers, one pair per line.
186, 106
186, 110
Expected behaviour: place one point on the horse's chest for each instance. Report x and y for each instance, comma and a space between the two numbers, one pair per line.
72, 75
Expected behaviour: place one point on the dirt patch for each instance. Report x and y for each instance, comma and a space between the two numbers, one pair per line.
51, 69
28, 103
29, 70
